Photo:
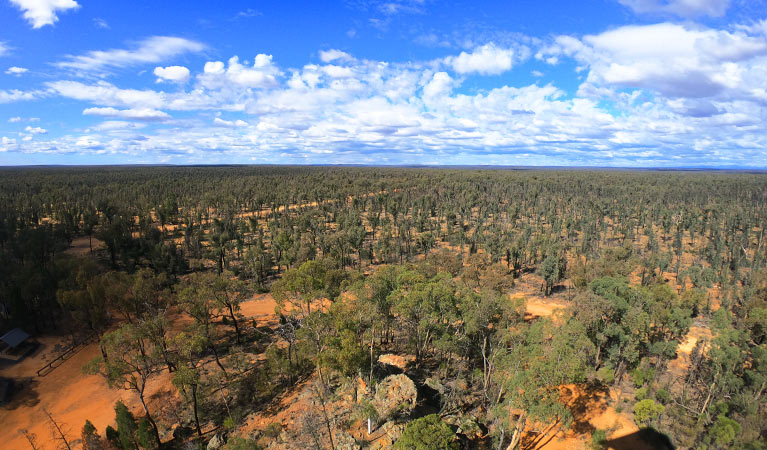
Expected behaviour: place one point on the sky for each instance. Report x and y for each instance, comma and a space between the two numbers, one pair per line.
622, 83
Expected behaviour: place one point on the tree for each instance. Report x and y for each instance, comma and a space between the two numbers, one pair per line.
299, 287
90, 437
427, 433
57, 430
552, 270
127, 429
132, 361
647, 411
190, 347
228, 293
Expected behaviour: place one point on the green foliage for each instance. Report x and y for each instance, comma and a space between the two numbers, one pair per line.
642, 375
273, 430
598, 439
647, 411
127, 429
113, 437
427, 433
640, 394
606, 375
725, 431
146, 435
662, 396
239, 443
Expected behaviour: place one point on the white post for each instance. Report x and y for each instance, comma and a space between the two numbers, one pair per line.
368, 426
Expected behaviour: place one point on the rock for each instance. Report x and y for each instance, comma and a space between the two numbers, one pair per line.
344, 441
397, 361
215, 442
362, 388
470, 428
389, 432
435, 384
396, 394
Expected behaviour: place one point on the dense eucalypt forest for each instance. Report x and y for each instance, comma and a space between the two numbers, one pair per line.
660, 277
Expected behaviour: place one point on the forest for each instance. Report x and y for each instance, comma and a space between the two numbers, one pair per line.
406, 308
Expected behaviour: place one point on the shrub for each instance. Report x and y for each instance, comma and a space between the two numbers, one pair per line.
640, 394
126, 426
273, 430
646, 411
598, 439
606, 374
663, 396
427, 433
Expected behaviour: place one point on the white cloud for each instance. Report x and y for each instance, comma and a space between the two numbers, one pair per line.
15, 119
229, 123
100, 23
486, 60
116, 125
262, 74
682, 8
44, 12
15, 95
16, 71
151, 50
35, 130
440, 85
134, 114
103, 93
7, 144
328, 56
671, 59
415, 111
4, 49
179, 74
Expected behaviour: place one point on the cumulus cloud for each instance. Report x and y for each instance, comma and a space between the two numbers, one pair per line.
35, 130
671, 59
262, 74
487, 59
16, 71
682, 8
179, 74
372, 111
44, 12
154, 49
147, 114
328, 56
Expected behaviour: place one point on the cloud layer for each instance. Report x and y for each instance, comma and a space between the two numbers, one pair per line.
649, 95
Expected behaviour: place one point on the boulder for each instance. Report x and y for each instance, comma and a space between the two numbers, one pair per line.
395, 395
215, 442
389, 433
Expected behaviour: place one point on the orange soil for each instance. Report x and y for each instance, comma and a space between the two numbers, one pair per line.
590, 412
679, 365
72, 397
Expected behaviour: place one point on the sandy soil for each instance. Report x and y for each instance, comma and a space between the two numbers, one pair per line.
590, 410
72, 397
698, 332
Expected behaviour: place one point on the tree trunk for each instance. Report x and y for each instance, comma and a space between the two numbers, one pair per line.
194, 403
234, 321
150, 419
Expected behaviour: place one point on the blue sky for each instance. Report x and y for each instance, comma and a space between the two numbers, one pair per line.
645, 83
